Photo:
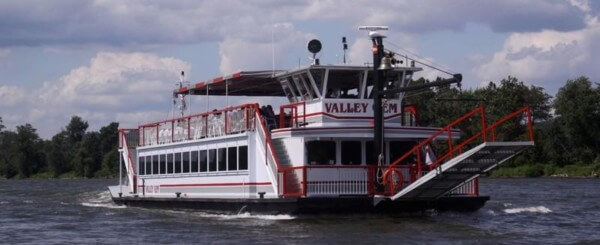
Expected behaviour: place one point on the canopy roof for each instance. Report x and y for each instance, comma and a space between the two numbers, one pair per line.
249, 83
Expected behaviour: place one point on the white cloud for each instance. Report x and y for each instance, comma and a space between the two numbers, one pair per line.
11, 95
4, 52
547, 57
111, 87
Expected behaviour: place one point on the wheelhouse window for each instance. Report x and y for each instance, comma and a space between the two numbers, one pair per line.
318, 76
243, 160
194, 161
351, 152
344, 84
232, 159
320, 152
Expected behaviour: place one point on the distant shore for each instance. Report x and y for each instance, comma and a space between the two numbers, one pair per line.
547, 170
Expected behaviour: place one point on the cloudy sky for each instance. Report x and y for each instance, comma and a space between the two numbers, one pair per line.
118, 60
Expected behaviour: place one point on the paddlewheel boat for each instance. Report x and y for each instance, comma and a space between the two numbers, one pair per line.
317, 154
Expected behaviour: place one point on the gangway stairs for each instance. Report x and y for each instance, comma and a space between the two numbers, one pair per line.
461, 169
458, 167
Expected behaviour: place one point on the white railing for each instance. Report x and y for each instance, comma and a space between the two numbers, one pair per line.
336, 181
469, 188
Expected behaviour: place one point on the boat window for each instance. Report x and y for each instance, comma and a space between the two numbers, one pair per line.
141, 165
344, 84
155, 164
369, 150
148, 164
186, 162
308, 85
212, 160
288, 90
222, 159
170, 165
243, 160
318, 76
163, 164
178, 162
232, 159
203, 161
194, 162
320, 152
351, 152
301, 89
399, 148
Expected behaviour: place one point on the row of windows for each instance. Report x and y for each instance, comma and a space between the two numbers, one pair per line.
323, 152
212, 160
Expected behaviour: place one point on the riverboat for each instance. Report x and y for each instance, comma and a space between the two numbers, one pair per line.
344, 143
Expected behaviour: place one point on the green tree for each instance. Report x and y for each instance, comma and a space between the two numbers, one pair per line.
56, 154
29, 158
577, 108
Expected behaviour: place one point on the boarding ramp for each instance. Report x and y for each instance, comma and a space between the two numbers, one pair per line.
459, 166
461, 169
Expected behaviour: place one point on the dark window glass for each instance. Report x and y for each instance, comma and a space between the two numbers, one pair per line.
243, 157
203, 161
170, 163
320, 152
194, 158
222, 158
371, 159
141, 165
351, 153
186, 162
212, 160
178, 162
163, 164
148, 164
155, 164
344, 84
232, 158
399, 148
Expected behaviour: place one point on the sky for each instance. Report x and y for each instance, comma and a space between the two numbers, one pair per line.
109, 60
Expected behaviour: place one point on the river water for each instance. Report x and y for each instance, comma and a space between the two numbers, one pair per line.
521, 211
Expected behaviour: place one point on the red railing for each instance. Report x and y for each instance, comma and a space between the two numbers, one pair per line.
209, 124
293, 115
458, 148
124, 140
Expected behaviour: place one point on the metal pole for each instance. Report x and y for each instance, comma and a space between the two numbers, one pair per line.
378, 126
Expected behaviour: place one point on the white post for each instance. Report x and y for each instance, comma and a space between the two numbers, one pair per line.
120, 172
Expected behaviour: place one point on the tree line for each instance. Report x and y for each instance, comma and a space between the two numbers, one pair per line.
566, 125
73, 152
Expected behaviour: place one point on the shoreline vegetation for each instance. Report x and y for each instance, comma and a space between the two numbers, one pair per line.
566, 130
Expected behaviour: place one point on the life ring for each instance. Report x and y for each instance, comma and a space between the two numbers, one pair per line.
389, 180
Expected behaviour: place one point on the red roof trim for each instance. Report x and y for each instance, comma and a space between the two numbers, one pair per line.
217, 79
199, 85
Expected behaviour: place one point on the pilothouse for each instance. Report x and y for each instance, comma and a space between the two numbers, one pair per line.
344, 143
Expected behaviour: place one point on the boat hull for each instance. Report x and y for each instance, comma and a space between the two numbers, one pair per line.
316, 205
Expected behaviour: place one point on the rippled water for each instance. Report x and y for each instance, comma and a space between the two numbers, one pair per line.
80, 211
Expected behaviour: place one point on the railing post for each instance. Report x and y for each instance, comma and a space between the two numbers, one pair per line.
281, 117
450, 150
172, 131
157, 129
226, 114
529, 123
304, 181
483, 124
189, 122
419, 167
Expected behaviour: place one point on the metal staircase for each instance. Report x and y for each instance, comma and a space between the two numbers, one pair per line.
457, 166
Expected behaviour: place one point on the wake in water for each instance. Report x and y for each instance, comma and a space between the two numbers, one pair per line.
99, 200
537, 209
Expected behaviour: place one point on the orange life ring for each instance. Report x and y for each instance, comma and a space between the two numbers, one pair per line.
389, 180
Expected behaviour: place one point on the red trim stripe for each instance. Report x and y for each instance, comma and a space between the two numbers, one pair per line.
216, 184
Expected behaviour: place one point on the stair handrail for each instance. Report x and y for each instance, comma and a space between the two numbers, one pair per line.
263, 129
131, 173
448, 129
525, 109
